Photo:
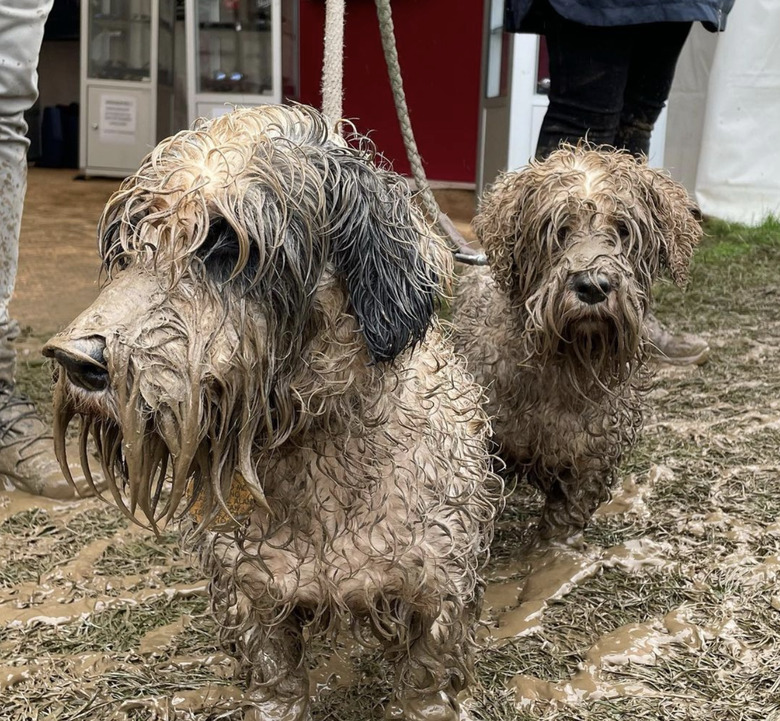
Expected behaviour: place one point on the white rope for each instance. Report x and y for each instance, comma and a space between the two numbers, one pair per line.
332, 108
333, 61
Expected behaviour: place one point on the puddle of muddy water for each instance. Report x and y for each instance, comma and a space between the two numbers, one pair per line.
636, 643
515, 602
518, 597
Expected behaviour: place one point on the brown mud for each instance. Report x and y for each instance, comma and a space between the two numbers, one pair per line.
670, 611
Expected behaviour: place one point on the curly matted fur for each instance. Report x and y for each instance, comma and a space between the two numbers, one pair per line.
554, 328
268, 328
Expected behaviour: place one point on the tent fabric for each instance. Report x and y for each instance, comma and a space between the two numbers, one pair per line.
738, 173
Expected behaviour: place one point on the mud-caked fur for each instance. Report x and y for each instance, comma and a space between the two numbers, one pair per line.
265, 356
554, 328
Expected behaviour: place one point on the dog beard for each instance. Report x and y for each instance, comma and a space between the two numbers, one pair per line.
597, 348
161, 434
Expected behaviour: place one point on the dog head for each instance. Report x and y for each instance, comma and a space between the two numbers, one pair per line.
259, 269
577, 240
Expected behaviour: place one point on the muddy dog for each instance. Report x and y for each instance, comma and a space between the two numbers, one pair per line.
554, 328
265, 355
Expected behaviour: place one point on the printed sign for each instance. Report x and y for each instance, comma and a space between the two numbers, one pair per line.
118, 119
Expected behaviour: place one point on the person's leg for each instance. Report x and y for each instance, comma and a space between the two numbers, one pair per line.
21, 34
655, 48
27, 457
588, 75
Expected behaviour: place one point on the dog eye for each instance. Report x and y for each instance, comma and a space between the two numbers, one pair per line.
220, 253
623, 230
560, 236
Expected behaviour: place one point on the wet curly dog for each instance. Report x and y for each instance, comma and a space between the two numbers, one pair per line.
554, 328
265, 355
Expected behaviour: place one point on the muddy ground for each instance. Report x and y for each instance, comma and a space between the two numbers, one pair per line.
672, 612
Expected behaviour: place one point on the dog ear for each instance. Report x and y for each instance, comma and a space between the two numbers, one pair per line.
384, 251
499, 227
675, 220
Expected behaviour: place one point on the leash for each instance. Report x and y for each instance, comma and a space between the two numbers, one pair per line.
460, 248
332, 99
333, 61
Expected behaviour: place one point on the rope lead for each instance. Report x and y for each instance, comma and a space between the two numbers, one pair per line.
333, 61
460, 248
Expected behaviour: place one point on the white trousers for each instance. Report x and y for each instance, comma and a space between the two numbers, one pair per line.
21, 34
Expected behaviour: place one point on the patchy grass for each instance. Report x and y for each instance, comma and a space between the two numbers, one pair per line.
115, 630
140, 555
127, 689
707, 468
35, 542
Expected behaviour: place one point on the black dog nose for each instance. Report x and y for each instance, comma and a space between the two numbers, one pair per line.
83, 360
591, 287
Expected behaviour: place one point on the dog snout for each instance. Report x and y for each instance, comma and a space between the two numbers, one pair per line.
591, 288
83, 359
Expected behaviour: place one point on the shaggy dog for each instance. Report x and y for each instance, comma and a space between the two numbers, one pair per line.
554, 328
265, 354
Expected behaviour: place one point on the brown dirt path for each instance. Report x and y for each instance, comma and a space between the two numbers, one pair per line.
58, 260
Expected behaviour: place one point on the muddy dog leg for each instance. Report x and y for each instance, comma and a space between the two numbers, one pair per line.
570, 502
263, 635
277, 679
434, 667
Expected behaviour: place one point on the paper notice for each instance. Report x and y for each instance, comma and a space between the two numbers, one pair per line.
118, 119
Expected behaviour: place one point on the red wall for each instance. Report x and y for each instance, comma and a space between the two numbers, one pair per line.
440, 51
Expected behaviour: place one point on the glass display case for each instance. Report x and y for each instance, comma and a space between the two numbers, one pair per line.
120, 37
233, 54
127, 58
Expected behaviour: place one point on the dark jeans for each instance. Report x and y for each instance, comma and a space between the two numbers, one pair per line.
608, 84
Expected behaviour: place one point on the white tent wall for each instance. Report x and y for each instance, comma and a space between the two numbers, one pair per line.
687, 106
723, 128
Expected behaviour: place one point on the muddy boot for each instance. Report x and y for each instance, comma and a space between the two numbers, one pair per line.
675, 349
27, 460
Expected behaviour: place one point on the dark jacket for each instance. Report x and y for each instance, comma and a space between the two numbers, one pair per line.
527, 16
